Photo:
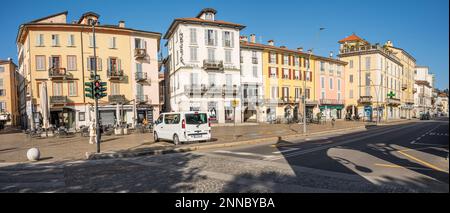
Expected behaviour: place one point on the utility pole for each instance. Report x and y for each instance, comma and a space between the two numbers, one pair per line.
97, 113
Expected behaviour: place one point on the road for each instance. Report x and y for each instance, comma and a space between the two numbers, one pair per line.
401, 158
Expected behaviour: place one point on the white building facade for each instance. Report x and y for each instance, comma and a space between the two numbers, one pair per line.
252, 82
423, 88
204, 66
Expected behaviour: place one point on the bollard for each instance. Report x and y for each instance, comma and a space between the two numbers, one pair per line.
33, 154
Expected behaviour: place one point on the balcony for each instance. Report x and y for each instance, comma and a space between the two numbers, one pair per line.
409, 101
254, 60
367, 48
365, 100
116, 99
57, 73
58, 99
230, 91
140, 76
115, 75
213, 65
331, 102
192, 90
141, 98
140, 53
393, 101
404, 86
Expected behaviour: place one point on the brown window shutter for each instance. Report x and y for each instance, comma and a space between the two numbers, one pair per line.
269, 73
276, 57
304, 75
290, 76
269, 59
290, 60
277, 72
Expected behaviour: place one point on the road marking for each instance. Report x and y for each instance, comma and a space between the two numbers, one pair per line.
243, 153
397, 166
287, 150
423, 162
426, 133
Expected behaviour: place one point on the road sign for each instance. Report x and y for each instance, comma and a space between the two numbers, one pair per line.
234, 103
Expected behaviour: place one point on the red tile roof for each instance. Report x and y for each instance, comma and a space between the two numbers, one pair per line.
352, 37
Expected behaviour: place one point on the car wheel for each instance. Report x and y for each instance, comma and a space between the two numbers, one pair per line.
176, 140
155, 137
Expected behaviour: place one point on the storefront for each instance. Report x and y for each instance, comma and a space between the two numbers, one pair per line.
212, 110
368, 113
144, 111
61, 117
331, 111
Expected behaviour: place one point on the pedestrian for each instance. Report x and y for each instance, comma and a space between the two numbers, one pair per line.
333, 121
92, 132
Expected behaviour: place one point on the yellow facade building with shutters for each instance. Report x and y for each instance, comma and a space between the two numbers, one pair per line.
9, 109
58, 57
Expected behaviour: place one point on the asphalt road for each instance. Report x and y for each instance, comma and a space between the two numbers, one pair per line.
396, 158
411, 155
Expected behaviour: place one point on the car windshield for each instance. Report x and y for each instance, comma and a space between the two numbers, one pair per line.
200, 118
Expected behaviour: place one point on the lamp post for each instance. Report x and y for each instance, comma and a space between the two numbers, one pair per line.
308, 71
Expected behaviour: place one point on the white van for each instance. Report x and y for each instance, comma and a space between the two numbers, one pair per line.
182, 127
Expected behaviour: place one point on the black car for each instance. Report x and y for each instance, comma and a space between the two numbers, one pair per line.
425, 116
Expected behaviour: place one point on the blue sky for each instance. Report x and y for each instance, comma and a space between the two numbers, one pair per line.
419, 26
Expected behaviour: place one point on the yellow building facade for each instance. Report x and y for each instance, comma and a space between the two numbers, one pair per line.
58, 57
9, 111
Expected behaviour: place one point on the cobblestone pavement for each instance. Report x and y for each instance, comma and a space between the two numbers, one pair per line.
14, 144
183, 172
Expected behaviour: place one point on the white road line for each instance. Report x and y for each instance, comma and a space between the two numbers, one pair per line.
244, 153
429, 132
287, 150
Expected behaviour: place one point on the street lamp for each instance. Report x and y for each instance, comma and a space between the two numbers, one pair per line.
308, 71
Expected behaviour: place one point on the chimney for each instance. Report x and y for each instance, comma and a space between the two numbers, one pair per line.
300, 49
310, 51
271, 42
253, 38
122, 24
331, 54
244, 38
10, 59
389, 43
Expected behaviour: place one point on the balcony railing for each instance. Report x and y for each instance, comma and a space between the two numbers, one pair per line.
140, 53
141, 98
409, 101
331, 102
393, 101
230, 90
365, 48
140, 76
404, 86
213, 65
115, 74
58, 99
116, 99
365, 99
58, 72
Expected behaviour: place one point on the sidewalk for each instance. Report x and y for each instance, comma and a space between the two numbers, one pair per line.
13, 146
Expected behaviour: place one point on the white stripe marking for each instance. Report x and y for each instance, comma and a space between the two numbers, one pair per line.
243, 153
287, 150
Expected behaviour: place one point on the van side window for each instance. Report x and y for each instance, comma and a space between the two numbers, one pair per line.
172, 119
160, 119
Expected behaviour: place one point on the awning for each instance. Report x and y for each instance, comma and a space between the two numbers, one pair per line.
332, 107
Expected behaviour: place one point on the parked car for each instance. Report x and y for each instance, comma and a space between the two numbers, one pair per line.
182, 127
425, 116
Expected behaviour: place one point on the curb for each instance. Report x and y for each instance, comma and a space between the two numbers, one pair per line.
110, 155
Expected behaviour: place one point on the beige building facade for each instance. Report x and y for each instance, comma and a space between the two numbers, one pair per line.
9, 111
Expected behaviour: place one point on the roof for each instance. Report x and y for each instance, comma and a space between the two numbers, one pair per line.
7, 62
88, 14
269, 47
50, 16
211, 10
421, 82
201, 21
352, 37
404, 51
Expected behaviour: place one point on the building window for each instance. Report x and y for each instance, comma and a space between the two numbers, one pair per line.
297, 75
339, 96
211, 37
55, 40
367, 63
71, 40
339, 84
286, 73
322, 82
40, 62
285, 59
211, 79
273, 72
296, 61
140, 43
297, 93
112, 43
322, 95
322, 66
367, 79
351, 78
227, 39
92, 63
71, 62
81, 116
350, 95
194, 78
57, 89
274, 92
308, 76
211, 55
209, 16
2, 106
227, 56
72, 88
350, 64
115, 88
91, 41
193, 34
255, 72
331, 83
40, 40
229, 80
193, 53
55, 62
2, 68
307, 93
138, 67
273, 58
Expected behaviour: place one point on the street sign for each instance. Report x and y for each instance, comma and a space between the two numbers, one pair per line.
234, 103
391, 94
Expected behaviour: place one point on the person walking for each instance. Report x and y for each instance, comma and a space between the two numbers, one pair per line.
92, 132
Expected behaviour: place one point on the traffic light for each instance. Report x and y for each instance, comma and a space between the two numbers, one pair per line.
99, 89
89, 89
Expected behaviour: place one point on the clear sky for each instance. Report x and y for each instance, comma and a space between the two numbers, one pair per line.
421, 27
